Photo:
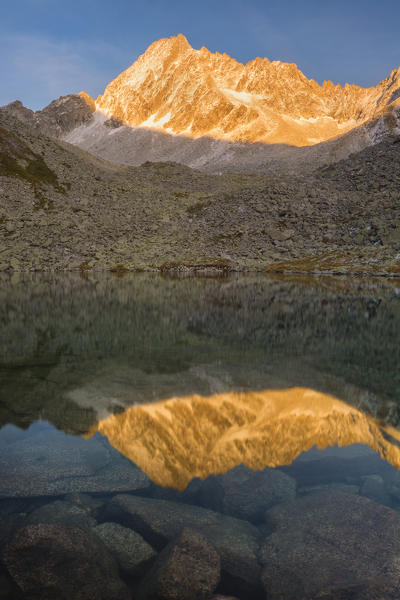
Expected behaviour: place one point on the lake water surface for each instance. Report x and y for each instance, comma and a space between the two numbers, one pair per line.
178, 438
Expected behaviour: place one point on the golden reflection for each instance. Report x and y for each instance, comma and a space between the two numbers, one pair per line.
181, 438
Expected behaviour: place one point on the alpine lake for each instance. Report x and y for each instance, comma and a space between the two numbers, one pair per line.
170, 437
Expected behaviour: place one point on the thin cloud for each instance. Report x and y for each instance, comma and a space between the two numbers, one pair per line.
39, 69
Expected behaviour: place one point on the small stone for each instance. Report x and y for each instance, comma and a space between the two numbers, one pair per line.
10, 227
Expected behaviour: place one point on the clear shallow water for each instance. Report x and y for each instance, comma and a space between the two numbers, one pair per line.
179, 437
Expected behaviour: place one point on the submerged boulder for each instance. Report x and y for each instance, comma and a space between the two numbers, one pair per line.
349, 465
247, 494
344, 488
8, 589
132, 553
331, 544
9, 524
90, 503
161, 521
54, 464
52, 562
187, 569
61, 513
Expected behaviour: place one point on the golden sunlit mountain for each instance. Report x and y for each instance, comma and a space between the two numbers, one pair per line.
196, 436
178, 90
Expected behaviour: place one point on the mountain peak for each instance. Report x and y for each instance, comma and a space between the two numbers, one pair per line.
176, 43
88, 99
178, 90
182, 39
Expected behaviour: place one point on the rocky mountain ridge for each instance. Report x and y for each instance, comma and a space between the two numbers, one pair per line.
58, 118
210, 112
195, 93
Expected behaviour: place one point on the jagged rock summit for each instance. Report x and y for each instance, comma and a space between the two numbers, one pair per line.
178, 90
58, 118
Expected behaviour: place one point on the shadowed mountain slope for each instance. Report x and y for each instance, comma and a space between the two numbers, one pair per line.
63, 208
112, 140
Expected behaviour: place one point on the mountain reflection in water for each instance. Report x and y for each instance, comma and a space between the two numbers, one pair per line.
241, 431
179, 439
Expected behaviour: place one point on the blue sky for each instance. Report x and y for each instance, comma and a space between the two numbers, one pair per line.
50, 48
